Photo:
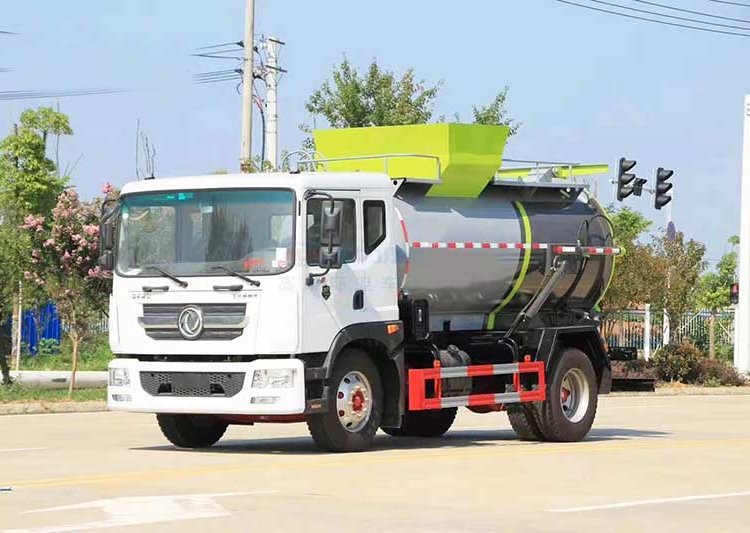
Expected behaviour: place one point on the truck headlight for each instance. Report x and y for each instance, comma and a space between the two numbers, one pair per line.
119, 377
275, 378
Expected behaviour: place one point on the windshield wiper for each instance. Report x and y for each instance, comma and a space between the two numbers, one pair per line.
237, 275
166, 274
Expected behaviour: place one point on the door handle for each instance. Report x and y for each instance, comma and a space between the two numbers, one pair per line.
358, 302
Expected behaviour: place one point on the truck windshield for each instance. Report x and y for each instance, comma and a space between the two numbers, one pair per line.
190, 233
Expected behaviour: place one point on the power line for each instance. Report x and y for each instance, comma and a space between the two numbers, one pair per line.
665, 23
237, 43
701, 13
674, 17
730, 3
35, 95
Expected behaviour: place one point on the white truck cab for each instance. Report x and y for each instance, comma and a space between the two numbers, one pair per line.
218, 289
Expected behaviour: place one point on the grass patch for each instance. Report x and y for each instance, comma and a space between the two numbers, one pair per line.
94, 354
22, 393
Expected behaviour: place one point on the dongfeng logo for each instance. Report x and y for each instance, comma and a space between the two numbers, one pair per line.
190, 322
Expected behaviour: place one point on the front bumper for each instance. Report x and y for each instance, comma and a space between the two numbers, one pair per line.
247, 401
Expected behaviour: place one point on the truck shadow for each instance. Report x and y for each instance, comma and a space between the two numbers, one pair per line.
459, 438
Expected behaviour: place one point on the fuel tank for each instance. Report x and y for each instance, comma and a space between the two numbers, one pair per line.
478, 261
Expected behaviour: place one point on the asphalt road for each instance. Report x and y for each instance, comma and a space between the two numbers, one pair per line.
650, 464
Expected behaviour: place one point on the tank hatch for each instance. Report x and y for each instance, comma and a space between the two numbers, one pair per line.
461, 159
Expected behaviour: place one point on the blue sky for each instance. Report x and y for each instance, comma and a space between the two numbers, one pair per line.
588, 87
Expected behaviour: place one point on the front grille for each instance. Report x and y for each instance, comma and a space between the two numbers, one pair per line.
193, 384
220, 321
208, 335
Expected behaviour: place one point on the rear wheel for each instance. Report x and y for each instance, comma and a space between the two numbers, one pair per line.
522, 419
191, 431
569, 411
354, 405
429, 424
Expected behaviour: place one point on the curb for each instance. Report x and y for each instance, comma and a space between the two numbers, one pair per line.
35, 408
688, 391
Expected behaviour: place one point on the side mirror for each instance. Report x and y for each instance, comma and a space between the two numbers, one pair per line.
107, 260
331, 222
107, 235
330, 257
107, 226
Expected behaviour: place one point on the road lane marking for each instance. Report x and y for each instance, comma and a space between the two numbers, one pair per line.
384, 457
139, 510
658, 501
8, 450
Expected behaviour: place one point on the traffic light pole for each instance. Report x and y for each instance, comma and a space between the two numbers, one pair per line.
742, 314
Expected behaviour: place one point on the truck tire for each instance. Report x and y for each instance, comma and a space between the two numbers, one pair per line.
191, 431
429, 424
355, 405
568, 413
523, 421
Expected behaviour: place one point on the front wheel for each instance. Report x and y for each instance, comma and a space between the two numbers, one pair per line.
354, 405
568, 413
191, 431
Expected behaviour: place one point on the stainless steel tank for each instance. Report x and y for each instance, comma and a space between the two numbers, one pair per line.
478, 261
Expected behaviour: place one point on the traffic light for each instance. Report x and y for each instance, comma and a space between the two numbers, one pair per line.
661, 198
734, 293
638, 186
625, 178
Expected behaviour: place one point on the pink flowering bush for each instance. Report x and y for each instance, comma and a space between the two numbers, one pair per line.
65, 263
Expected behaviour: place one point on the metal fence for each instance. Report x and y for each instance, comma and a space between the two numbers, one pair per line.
646, 331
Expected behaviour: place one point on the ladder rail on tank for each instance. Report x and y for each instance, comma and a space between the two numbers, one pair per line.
419, 399
312, 164
544, 174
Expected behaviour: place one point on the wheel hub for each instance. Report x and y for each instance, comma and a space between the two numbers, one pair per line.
574, 395
354, 401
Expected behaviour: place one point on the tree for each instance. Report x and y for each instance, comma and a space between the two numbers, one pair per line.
29, 183
715, 291
634, 269
680, 264
496, 114
376, 98
65, 254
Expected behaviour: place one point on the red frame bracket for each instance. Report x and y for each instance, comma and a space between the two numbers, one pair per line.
418, 378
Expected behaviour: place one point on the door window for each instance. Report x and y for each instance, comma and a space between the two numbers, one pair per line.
374, 211
348, 236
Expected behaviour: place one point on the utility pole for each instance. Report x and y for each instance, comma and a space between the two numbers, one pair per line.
246, 155
272, 70
742, 314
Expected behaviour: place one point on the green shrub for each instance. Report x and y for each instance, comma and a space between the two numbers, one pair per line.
725, 352
48, 348
94, 354
714, 373
677, 363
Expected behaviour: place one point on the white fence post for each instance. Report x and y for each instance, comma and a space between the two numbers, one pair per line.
647, 333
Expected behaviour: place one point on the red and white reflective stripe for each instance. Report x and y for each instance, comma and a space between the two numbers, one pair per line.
558, 249
479, 245
586, 250
418, 378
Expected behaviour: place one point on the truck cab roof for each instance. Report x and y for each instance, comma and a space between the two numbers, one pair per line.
286, 180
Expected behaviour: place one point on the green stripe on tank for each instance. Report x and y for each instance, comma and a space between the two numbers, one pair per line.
524, 266
614, 259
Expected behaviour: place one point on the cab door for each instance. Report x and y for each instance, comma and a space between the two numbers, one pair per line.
335, 299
